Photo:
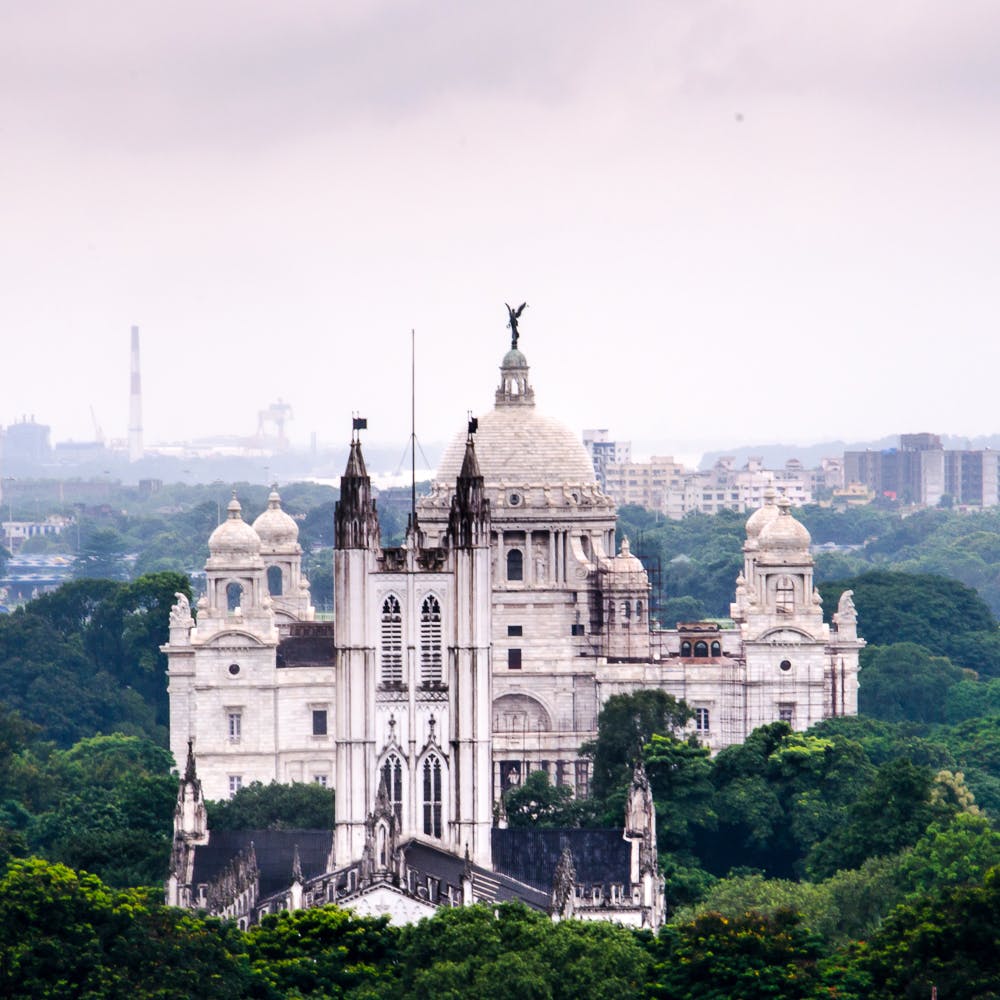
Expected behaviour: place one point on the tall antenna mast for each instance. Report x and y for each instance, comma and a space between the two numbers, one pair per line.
413, 426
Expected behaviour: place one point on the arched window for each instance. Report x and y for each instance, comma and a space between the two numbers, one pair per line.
638, 610
626, 609
430, 641
685, 648
432, 796
234, 597
392, 775
716, 648
392, 641
701, 648
784, 595
274, 581
515, 565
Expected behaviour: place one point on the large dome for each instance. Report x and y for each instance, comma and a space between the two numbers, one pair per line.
234, 538
516, 445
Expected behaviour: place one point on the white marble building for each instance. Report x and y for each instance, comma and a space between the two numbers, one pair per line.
480, 650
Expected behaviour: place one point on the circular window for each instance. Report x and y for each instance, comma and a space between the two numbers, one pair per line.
785, 664
515, 499
234, 668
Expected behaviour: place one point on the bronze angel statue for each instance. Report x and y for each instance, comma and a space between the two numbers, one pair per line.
515, 315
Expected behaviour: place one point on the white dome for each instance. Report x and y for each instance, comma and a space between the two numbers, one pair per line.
762, 516
234, 537
785, 534
275, 528
516, 445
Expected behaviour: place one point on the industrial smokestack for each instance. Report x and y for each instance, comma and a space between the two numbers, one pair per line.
135, 404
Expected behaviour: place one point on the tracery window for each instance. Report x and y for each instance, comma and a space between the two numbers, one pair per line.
432, 796
701, 648
685, 648
392, 775
430, 641
784, 595
392, 641
716, 648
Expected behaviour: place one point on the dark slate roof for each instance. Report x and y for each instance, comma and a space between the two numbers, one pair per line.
275, 850
531, 855
488, 886
308, 644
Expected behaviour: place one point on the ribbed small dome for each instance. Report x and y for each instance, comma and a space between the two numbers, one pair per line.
275, 528
784, 533
234, 537
625, 562
514, 359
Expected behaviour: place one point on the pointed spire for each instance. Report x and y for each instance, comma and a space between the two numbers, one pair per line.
190, 772
355, 519
468, 520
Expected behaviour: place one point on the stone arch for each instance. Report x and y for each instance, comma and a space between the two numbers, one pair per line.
275, 581
516, 713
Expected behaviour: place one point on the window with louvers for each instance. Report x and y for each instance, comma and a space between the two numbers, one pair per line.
430, 641
392, 641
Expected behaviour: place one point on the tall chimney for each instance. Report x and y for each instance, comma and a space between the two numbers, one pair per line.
135, 404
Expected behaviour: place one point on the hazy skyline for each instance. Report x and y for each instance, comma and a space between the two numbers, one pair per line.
733, 222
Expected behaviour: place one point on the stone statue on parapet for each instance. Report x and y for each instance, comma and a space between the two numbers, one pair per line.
515, 315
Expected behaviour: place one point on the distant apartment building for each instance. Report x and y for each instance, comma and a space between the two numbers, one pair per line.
664, 485
604, 452
645, 484
921, 472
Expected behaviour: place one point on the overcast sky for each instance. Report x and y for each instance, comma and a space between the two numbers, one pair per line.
733, 222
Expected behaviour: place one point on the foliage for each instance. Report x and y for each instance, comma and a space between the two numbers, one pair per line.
945, 939
298, 806
938, 613
485, 952
105, 805
905, 681
892, 812
323, 952
626, 723
748, 956
537, 802
85, 658
65, 934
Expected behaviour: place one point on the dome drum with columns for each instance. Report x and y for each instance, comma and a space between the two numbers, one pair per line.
480, 650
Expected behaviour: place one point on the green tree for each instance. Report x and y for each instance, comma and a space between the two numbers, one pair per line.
749, 956
945, 939
65, 934
298, 806
324, 952
537, 802
905, 681
101, 556
625, 725
891, 812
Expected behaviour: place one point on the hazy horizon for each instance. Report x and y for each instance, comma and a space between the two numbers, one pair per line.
730, 220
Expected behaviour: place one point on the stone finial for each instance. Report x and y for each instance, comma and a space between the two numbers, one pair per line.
190, 772
296, 865
564, 885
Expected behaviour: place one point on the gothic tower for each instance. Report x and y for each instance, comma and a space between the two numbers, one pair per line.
470, 672
356, 545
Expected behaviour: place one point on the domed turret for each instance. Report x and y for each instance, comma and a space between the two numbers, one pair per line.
276, 529
234, 539
784, 535
762, 517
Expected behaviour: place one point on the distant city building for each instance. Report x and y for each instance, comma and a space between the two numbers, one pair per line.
664, 485
604, 452
26, 443
921, 472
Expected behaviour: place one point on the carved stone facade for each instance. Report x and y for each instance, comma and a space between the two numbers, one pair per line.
478, 651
